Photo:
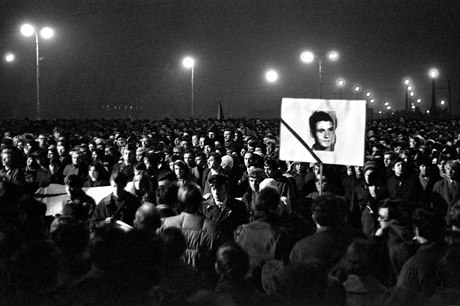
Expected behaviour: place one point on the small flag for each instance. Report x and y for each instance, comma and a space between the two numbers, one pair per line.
220, 112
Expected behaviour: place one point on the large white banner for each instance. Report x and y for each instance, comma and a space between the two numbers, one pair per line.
54, 194
333, 129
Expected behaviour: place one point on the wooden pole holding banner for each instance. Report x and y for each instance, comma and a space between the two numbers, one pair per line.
310, 150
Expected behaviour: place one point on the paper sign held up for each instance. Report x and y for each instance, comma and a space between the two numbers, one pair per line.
333, 129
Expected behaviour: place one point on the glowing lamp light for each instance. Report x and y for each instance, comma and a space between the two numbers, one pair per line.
419, 100
27, 30
406, 82
9, 57
188, 62
357, 88
307, 57
340, 82
271, 76
411, 94
389, 107
372, 100
47, 33
433, 73
333, 55
443, 102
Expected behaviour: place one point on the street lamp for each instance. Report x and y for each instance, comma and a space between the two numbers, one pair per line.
189, 63
433, 73
408, 87
356, 89
308, 57
271, 76
46, 33
9, 57
340, 83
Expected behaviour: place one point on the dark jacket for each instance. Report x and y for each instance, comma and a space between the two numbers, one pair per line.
232, 215
123, 209
327, 245
419, 272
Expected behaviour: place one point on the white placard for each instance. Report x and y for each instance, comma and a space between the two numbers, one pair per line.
348, 128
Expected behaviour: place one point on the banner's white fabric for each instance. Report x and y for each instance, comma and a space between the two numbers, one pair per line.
54, 194
349, 120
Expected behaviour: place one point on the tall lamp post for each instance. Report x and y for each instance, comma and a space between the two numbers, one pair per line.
189, 63
408, 88
433, 73
46, 33
340, 83
308, 57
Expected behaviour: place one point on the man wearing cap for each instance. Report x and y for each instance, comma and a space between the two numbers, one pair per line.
226, 211
365, 200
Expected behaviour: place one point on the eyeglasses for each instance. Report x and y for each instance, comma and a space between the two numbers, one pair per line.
383, 218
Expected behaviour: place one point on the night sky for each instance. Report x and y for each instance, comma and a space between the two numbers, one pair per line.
129, 53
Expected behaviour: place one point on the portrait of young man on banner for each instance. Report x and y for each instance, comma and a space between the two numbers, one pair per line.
322, 129
333, 131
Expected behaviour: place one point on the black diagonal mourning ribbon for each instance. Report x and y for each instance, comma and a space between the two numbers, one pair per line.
301, 141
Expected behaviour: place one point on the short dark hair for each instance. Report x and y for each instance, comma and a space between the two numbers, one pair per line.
190, 197
119, 178
74, 180
430, 224
267, 200
325, 210
320, 116
174, 242
232, 261
168, 194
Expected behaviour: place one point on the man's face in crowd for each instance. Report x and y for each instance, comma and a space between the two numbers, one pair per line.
128, 156
76, 158
325, 133
212, 163
93, 173
300, 167
7, 159
60, 149
71, 190
387, 160
270, 171
189, 160
227, 136
139, 155
202, 139
118, 190
321, 185
195, 140
398, 168
423, 169
254, 183
199, 161
211, 135
451, 170
219, 192
248, 159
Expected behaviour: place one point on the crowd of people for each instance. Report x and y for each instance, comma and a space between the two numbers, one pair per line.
214, 217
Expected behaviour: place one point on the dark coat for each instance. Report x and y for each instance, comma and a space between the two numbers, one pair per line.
327, 245
419, 272
123, 209
233, 214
